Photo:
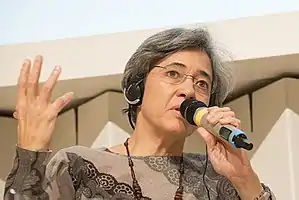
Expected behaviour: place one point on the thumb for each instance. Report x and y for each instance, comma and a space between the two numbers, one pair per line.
207, 137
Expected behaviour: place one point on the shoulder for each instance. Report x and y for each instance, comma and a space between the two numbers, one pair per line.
76, 156
77, 149
73, 152
75, 160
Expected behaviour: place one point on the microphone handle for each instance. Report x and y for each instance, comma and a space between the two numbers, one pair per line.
226, 133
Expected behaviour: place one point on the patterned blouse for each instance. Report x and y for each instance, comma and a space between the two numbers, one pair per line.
83, 173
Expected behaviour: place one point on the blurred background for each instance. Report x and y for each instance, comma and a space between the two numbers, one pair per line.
92, 41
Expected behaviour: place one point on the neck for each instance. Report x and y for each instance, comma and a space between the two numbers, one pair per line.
149, 140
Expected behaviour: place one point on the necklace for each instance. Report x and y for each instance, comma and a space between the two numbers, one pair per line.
136, 187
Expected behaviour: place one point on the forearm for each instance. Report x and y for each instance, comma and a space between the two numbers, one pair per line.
28, 172
28, 178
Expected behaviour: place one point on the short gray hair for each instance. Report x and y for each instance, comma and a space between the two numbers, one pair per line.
169, 41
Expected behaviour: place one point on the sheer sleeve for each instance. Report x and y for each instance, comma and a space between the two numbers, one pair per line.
33, 178
266, 195
225, 189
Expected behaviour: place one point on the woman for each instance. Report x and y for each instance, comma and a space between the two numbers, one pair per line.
169, 67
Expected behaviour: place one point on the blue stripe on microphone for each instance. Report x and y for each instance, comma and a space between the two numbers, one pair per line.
236, 133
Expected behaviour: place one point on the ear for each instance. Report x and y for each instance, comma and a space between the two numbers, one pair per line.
134, 92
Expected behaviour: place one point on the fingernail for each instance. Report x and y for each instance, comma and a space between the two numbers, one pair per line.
70, 94
15, 115
57, 69
26, 61
39, 57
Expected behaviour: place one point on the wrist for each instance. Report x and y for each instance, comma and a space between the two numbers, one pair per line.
248, 187
34, 148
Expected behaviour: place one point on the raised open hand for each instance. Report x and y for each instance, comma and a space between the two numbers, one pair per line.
35, 112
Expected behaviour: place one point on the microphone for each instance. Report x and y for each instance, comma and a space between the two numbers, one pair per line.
195, 113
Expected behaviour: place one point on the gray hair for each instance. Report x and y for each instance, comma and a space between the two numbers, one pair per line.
164, 43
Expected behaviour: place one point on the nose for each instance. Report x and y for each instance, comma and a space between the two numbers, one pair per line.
186, 89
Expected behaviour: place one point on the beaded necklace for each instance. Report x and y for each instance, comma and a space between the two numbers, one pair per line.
136, 187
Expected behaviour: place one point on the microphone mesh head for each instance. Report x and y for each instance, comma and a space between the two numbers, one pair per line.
188, 108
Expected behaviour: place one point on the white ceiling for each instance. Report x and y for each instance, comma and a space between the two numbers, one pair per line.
28, 21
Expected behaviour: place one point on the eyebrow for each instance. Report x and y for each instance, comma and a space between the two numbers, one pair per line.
199, 72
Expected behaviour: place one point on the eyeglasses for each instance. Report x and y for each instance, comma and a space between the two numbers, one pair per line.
176, 75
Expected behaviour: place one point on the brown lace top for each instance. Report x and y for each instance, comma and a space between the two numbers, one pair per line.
83, 173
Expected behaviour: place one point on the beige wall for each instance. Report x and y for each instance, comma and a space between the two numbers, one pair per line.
269, 114
276, 112
275, 132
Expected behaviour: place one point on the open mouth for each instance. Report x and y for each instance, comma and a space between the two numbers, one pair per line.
177, 110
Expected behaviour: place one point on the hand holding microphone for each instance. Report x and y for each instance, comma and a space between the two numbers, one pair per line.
224, 143
196, 112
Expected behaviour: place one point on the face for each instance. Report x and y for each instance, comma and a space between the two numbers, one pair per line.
166, 87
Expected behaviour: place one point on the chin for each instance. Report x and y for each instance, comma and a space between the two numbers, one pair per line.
176, 127
174, 124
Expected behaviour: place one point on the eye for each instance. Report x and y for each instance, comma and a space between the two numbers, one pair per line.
173, 74
202, 84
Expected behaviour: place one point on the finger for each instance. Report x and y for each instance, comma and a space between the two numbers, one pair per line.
47, 88
218, 109
230, 148
22, 81
215, 116
62, 101
33, 79
212, 113
209, 138
230, 120
15, 115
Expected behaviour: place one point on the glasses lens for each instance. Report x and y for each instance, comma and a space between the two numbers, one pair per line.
173, 75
